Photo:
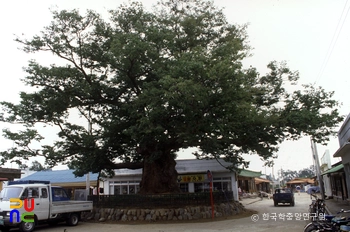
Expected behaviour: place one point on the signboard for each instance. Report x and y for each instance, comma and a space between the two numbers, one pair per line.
210, 176
190, 178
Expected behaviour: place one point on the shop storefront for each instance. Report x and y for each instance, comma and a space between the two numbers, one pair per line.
192, 178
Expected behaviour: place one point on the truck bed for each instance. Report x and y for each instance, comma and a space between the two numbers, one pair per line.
70, 206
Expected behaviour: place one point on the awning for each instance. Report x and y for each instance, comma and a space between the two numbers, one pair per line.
345, 149
10, 173
75, 184
248, 173
334, 169
301, 181
261, 180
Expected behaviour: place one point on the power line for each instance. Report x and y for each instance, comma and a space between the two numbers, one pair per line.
332, 44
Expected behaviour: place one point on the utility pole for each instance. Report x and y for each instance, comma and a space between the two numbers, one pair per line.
87, 185
273, 179
282, 180
317, 167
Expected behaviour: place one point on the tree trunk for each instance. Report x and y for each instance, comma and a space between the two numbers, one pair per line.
159, 176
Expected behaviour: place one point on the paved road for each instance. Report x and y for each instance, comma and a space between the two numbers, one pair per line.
268, 218
282, 217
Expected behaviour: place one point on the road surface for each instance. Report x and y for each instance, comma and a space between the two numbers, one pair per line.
268, 218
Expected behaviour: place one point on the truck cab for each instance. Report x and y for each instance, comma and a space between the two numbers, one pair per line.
25, 205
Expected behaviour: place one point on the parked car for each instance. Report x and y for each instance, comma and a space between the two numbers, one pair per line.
284, 196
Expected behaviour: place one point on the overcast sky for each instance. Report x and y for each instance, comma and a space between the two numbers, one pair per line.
311, 36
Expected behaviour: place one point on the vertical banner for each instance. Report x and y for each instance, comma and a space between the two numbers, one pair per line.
210, 178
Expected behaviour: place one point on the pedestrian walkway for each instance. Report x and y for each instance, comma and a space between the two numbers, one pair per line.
249, 200
333, 206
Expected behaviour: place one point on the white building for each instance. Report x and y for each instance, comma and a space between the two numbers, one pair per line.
343, 184
192, 178
326, 165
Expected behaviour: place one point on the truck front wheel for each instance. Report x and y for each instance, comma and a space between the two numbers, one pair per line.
26, 226
73, 219
5, 229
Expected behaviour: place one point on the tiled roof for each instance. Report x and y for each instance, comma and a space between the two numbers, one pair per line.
337, 168
186, 166
197, 166
182, 167
301, 181
261, 180
59, 176
10, 173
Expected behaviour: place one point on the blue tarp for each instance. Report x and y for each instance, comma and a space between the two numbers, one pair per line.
313, 189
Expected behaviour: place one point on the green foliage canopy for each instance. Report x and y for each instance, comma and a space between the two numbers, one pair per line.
153, 82
37, 166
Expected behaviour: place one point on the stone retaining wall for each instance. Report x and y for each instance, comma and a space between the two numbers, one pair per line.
162, 214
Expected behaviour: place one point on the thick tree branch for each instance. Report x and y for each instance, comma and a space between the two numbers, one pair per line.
132, 166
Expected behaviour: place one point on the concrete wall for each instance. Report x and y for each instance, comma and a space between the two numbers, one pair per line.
327, 185
163, 214
344, 138
344, 132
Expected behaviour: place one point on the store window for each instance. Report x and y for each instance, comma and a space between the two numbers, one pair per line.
184, 187
219, 184
124, 187
117, 190
201, 187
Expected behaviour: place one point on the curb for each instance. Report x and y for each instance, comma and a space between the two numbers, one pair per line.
328, 211
253, 201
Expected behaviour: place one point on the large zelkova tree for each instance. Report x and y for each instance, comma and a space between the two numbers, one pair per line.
37, 166
152, 82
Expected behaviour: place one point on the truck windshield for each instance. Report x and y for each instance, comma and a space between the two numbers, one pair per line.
12, 192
